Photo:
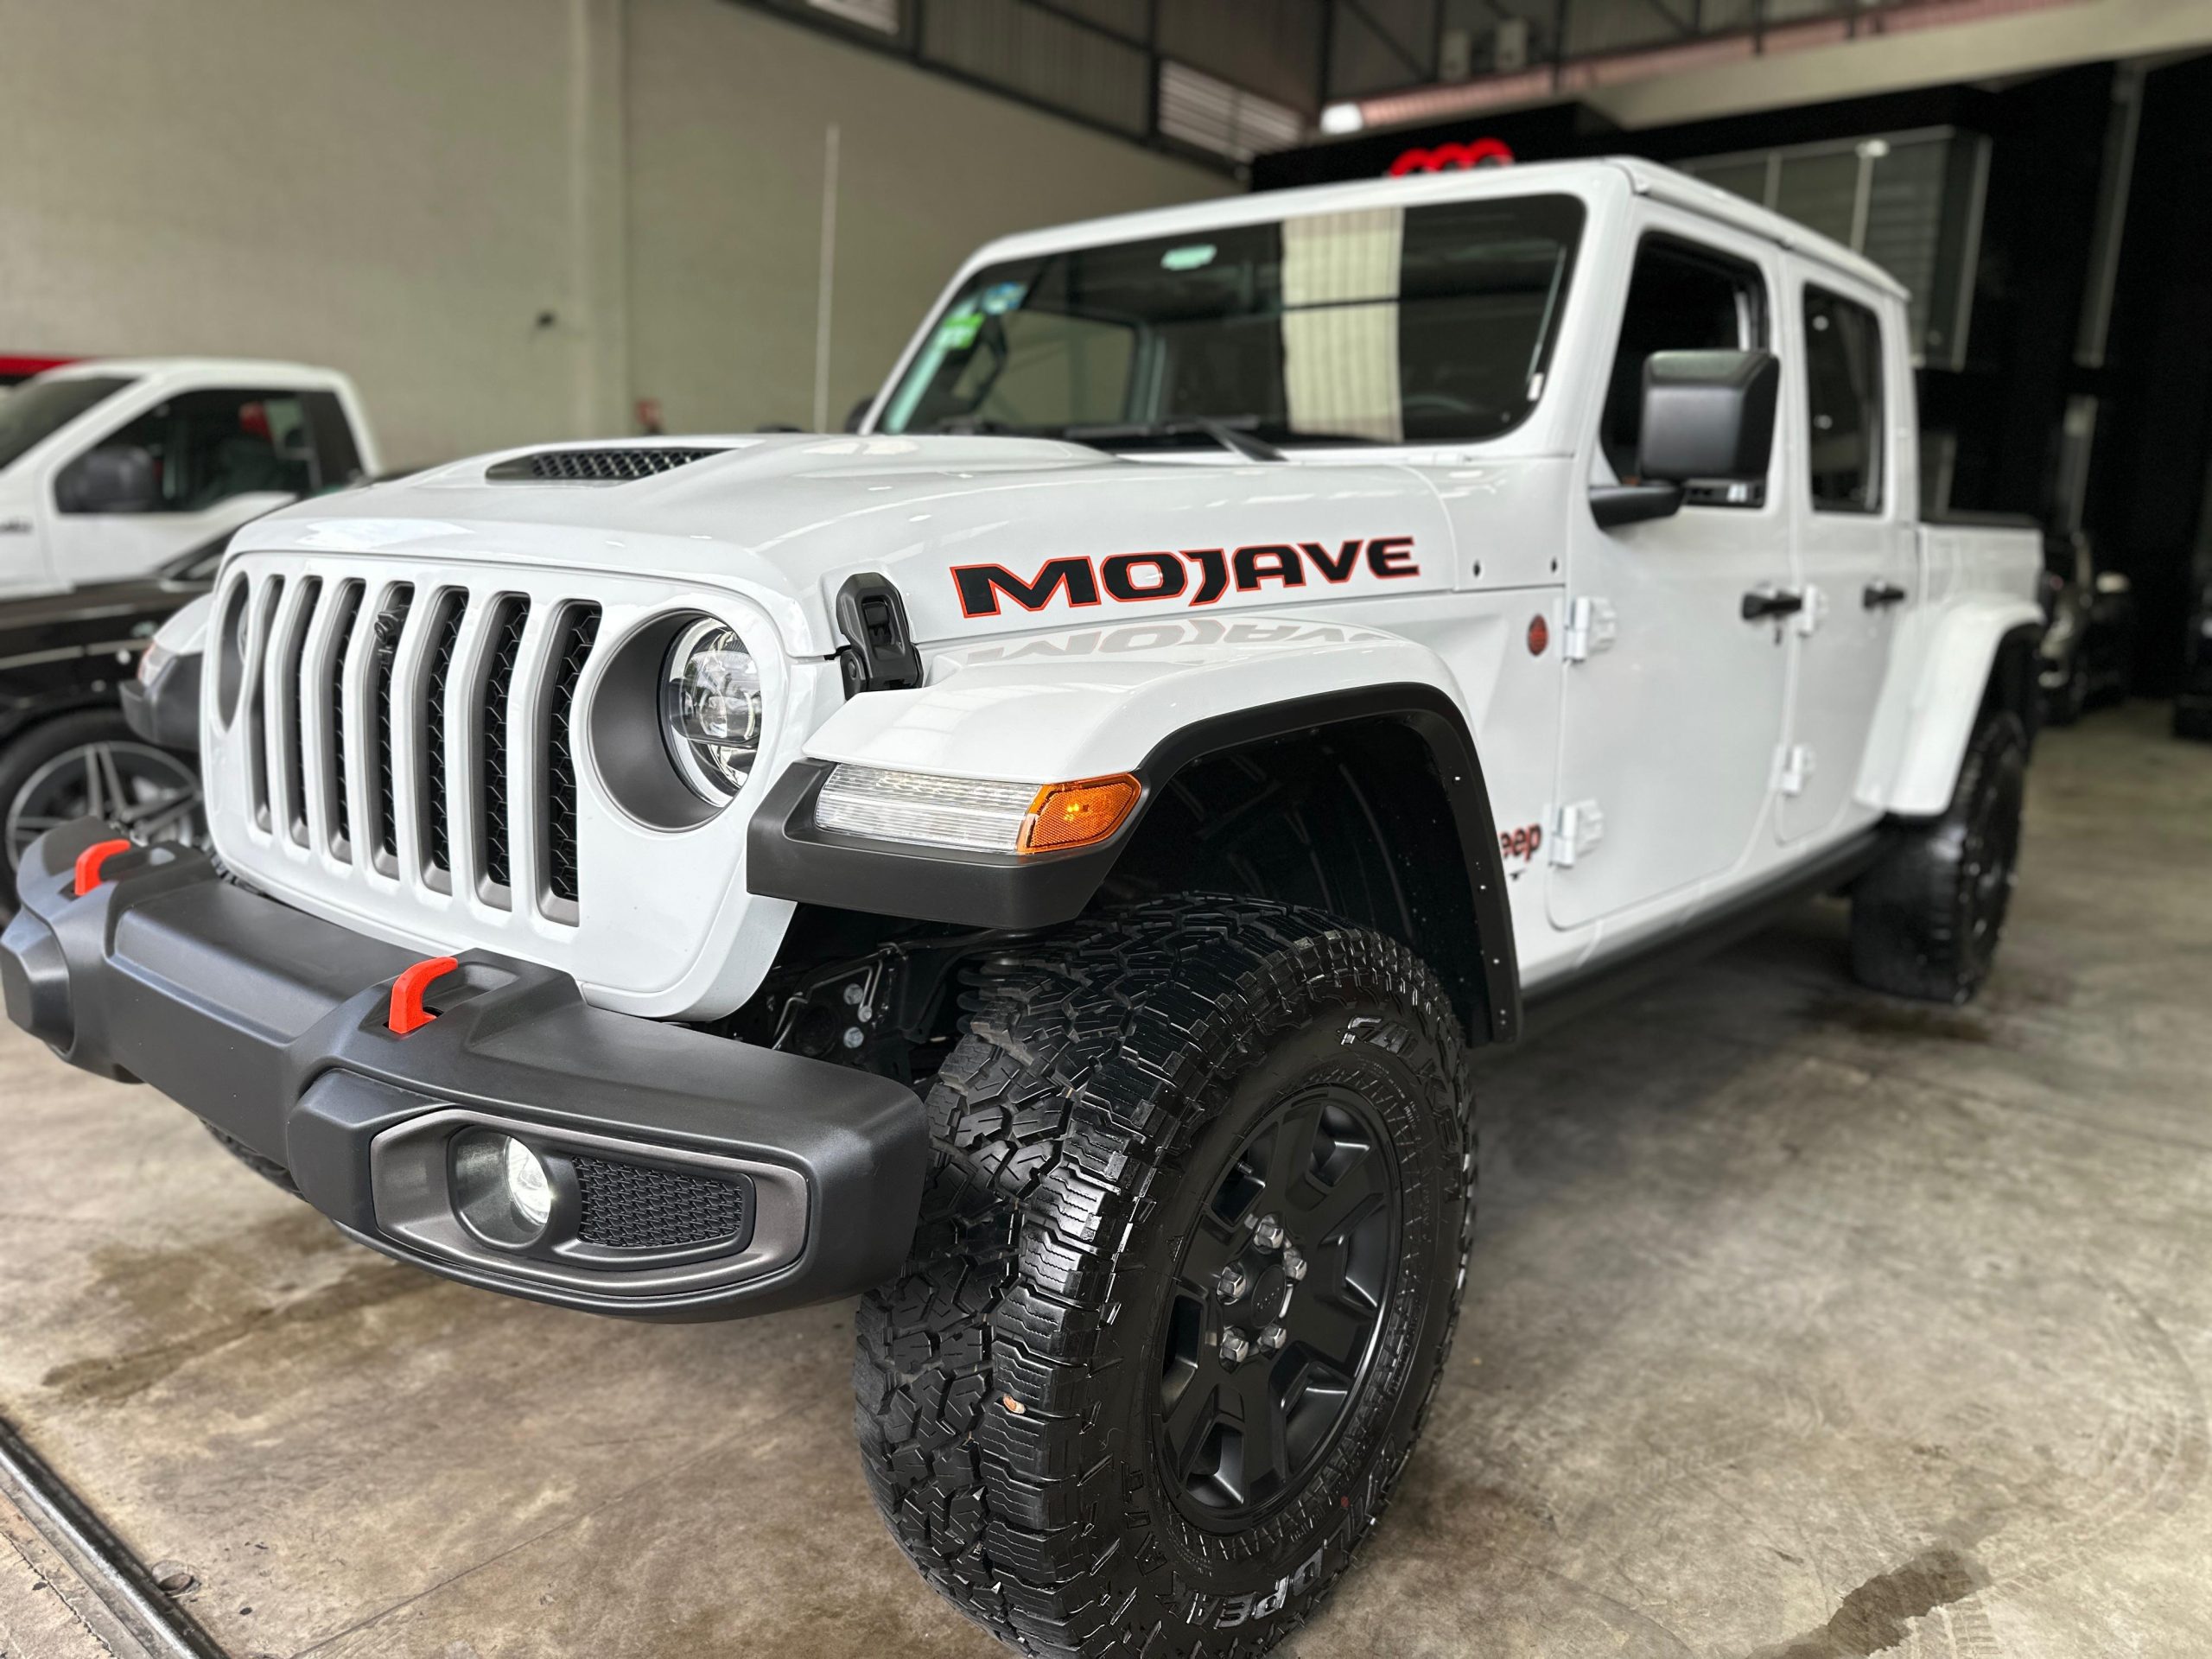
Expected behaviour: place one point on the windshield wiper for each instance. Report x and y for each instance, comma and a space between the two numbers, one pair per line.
1252, 447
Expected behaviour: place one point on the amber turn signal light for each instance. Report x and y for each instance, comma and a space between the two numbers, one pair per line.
1079, 814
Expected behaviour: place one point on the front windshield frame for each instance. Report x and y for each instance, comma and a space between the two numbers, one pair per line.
1516, 253
36, 410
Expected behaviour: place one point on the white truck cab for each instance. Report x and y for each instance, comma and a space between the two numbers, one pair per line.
1252, 653
111, 468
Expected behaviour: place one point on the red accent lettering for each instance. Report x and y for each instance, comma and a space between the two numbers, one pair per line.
1213, 573
1281, 565
1118, 571
1337, 569
1392, 555
980, 586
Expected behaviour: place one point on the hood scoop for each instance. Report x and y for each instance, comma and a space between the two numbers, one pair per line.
611, 466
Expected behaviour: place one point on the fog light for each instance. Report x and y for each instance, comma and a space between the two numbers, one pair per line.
504, 1192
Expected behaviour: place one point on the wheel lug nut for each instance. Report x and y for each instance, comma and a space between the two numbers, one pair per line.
1293, 1265
1235, 1347
1232, 1283
1271, 1339
1268, 1233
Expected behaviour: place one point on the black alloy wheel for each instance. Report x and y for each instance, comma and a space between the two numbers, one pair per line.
1270, 1332
148, 793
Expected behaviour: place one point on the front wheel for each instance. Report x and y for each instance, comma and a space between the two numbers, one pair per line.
1188, 1267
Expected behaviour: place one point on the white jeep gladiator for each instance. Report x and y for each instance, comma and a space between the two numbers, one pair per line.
1042, 862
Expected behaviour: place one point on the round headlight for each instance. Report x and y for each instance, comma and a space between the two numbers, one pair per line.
710, 709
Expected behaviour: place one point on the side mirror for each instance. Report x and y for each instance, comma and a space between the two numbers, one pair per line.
858, 413
115, 478
1709, 418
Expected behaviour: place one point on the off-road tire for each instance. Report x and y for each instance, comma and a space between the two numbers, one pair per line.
1925, 920
268, 1169
1010, 1382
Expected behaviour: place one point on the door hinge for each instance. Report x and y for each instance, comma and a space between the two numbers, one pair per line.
1592, 626
1816, 609
1796, 769
1576, 832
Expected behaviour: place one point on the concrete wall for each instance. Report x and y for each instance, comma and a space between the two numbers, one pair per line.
405, 189
727, 115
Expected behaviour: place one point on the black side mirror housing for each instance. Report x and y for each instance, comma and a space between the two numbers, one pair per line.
115, 478
1708, 416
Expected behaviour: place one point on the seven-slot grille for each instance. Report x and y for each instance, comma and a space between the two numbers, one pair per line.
416, 726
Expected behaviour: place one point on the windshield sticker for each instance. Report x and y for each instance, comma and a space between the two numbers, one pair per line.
957, 331
1196, 256
1197, 576
1002, 297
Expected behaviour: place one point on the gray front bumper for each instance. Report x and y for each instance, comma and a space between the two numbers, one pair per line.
273, 1027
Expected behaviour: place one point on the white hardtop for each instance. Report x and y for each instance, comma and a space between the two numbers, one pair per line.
1589, 178
218, 369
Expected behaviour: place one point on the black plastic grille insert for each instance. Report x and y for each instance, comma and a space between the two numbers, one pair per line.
632, 1207
593, 466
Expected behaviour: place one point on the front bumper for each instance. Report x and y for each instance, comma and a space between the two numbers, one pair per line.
273, 1027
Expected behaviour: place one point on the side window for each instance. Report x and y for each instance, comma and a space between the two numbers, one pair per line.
1681, 298
208, 446
337, 453
1843, 383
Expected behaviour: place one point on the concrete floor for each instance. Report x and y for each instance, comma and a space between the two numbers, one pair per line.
1802, 1324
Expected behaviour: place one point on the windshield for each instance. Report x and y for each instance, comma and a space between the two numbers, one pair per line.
38, 408
1384, 325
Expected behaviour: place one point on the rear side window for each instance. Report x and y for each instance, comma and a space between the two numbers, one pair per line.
209, 446
1681, 298
1843, 384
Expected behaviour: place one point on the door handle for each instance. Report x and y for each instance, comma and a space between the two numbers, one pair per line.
1762, 603
1880, 595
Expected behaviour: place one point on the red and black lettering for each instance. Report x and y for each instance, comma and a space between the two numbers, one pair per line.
1134, 578
1213, 573
1272, 562
1119, 574
981, 585
1392, 555
1338, 569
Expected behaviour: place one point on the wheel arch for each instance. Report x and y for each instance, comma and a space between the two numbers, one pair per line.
1958, 661
1376, 795
1384, 772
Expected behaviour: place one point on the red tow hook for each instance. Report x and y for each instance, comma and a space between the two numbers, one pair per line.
92, 860
408, 1013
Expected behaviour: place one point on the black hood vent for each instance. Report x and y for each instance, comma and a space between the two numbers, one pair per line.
592, 466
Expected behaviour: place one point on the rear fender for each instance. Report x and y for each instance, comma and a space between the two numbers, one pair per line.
1940, 674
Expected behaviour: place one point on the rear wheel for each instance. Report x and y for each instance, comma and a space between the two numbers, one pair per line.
1925, 921
90, 764
1188, 1266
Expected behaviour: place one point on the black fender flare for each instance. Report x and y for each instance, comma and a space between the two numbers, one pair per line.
788, 856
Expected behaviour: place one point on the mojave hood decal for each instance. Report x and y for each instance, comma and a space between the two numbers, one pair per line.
1197, 575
